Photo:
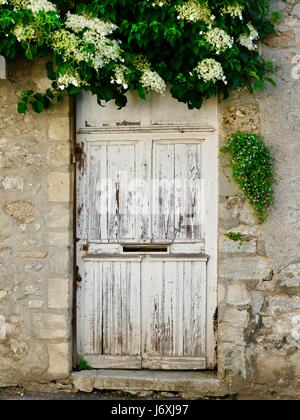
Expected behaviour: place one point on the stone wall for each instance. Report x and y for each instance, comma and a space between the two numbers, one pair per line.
35, 235
259, 281
259, 291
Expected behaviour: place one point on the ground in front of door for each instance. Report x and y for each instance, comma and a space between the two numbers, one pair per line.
21, 394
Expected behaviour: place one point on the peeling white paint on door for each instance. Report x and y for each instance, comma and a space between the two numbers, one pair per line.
147, 230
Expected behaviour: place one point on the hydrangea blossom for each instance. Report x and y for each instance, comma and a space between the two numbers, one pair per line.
219, 40
106, 50
24, 33
248, 41
71, 77
233, 10
210, 70
68, 46
150, 79
78, 23
37, 6
159, 3
119, 76
193, 11
92, 35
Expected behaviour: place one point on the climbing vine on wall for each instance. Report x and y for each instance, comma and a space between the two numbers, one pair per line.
253, 170
108, 47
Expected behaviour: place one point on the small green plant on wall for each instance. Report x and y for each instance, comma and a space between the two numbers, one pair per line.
197, 48
83, 365
236, 237
253, 170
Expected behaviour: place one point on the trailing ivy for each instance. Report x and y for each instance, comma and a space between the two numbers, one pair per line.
197, 48
253, 170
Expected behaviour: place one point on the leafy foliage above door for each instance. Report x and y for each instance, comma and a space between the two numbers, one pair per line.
108, 47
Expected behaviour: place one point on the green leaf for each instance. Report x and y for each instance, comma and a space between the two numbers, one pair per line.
22, 107
38, 107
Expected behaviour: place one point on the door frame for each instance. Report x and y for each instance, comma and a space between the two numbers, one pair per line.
211, 149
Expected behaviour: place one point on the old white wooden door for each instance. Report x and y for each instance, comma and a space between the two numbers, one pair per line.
147, 234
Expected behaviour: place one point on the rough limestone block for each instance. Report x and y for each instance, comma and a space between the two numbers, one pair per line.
58, 154
59, 187
59, 360
58, 217
50, 326
59, 128
59, 238
238, 294
235, 247
246, 268
12, 183
286, 39
23, 212
58, 294
60, 262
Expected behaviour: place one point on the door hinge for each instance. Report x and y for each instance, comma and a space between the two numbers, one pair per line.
77, 156
78, 277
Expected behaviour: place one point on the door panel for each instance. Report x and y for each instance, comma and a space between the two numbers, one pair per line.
174, 313
111, 315
177, 196
110, 204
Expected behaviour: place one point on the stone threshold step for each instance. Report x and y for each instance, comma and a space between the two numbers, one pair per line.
187, 384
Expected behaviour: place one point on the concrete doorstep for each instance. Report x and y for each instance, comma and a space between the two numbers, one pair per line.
189, 385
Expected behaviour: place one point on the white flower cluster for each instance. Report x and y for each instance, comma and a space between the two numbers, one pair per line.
3, 2
119, 76
106, 50
248, 41
210, 70
150, 79
71, 77
92, 40
24, 33
233, 10
78, 23
69, 46
159, 3
87, 40
219, 40
193, 11
37, 6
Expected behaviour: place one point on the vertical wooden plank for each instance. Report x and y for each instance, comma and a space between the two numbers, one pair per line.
179, 311
170, 308
145, 189
97, 193
89, 310
187, 321
151, 304
164, 191
121, 171
117, 310
97, 307
199, 308
134, 308
188, 193
82, 185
